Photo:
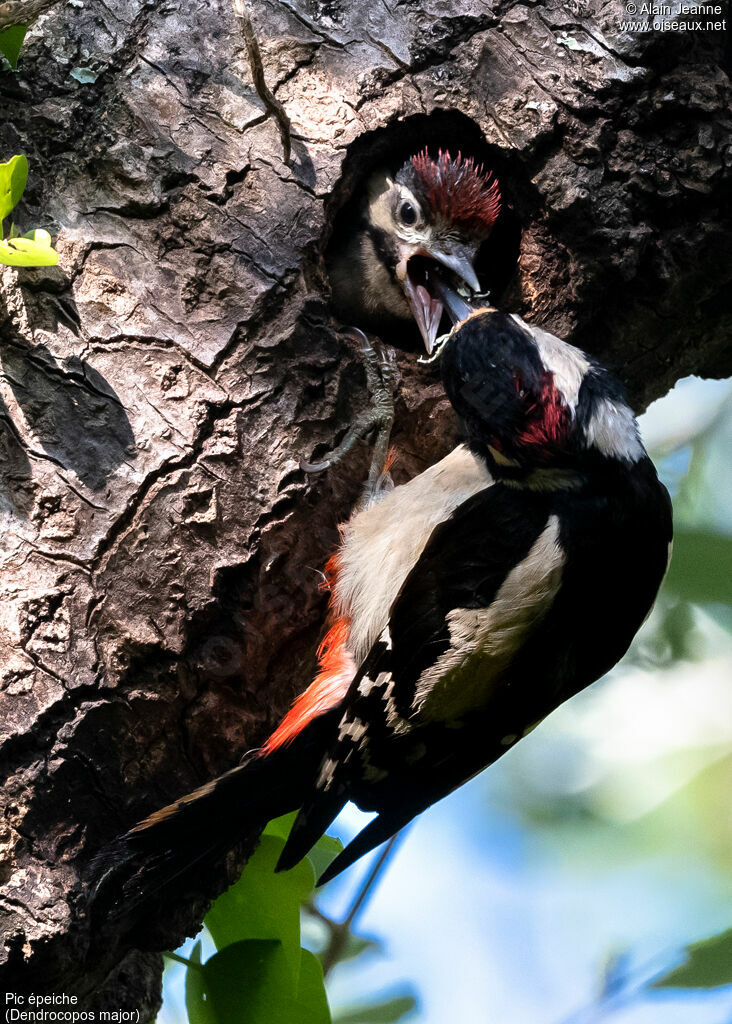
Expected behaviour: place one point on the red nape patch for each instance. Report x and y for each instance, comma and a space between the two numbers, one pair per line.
547, 417
459, 190
337, 669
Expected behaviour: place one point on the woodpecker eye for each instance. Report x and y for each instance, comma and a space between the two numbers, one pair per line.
407, 213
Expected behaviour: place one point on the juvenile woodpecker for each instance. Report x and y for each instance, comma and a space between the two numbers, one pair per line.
466, 605
434, 213
431, 216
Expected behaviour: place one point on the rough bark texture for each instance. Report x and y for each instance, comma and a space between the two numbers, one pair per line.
158, 606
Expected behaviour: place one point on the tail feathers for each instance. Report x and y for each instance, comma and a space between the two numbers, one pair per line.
310, 824
194, 831
201, 827
375, 833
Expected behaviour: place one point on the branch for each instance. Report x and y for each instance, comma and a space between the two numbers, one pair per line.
340, 930
271, 103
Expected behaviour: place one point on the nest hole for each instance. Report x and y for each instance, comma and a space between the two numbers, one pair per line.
389, 147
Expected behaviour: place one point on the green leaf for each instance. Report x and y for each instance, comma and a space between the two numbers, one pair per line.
264, 905
281, 827
312, 1002
260, 974
11, 40
39, 235
387, 1012
26, 252
325, 850
708, 965
198, 1003
13, 177
250, 982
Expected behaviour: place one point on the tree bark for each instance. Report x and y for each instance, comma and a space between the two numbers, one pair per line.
160, 601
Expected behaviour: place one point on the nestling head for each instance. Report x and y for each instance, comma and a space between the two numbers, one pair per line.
428, 222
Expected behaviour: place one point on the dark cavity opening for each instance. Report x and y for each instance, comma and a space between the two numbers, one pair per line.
389, 148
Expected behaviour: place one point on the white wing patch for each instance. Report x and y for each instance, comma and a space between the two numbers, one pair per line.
381, 544
612, 429
483, 641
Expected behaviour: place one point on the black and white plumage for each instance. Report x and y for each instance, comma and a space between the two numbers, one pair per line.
471, 602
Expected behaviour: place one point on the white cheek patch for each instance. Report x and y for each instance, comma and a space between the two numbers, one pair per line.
612, 429
567, 364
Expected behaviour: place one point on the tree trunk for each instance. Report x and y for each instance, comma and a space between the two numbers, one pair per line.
160, 546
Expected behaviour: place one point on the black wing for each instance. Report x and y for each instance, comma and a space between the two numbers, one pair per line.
486, 577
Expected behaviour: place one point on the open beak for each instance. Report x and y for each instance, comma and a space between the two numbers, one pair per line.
430, 283
427, 311
457, 308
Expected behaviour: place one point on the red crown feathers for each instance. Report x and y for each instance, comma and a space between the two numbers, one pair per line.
459, 190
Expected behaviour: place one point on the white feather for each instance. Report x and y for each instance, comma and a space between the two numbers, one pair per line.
382, 543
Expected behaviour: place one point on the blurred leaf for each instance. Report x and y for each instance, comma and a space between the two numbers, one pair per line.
264, 905
250, 982
677, 633
356, 946
26, 252
13, 178
388, 1012
701, 566
693, 485
11, 40
198, 1007
708, 965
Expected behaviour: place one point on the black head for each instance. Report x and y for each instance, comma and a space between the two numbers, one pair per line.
530, 400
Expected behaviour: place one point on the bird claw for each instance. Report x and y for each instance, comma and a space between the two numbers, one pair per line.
314, 467
380, 366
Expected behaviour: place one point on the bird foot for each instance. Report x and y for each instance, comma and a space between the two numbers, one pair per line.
380, 369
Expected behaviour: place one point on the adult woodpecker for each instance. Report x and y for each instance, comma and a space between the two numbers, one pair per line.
431, 216
467, 604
